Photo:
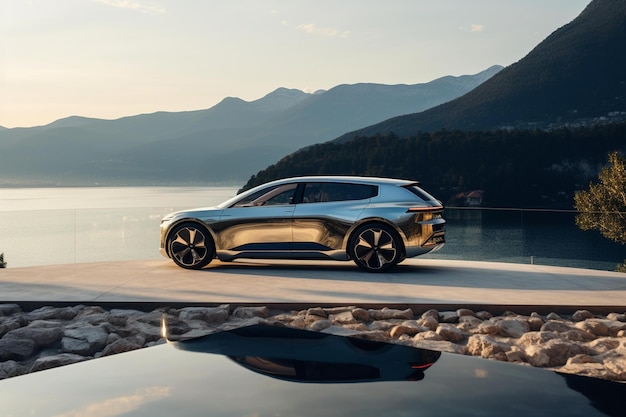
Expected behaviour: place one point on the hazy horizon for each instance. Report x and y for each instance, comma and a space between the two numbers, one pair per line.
108, 59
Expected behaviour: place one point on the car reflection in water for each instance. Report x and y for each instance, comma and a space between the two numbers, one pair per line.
211, 376
304, 356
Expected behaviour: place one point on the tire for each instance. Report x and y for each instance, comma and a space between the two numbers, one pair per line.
375, 247
190, 246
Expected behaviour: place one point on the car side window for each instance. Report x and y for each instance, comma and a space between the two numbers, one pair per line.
281, 194
328, 191
286, 197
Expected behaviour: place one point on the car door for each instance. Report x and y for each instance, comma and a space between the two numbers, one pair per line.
326, 212
262, 222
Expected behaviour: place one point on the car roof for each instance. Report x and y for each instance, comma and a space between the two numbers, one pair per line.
347, 179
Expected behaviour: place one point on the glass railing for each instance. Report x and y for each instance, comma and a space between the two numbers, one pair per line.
543, 237
45, 237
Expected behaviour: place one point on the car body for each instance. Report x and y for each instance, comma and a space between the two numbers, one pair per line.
376, 222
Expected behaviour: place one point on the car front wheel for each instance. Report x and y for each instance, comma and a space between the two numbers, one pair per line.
190, 246
375, 248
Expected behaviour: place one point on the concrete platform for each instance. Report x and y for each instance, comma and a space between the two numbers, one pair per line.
415, 281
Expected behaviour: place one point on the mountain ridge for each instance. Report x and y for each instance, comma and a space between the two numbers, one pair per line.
226, 142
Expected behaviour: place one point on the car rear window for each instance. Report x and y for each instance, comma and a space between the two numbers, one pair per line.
420, 193
316, 192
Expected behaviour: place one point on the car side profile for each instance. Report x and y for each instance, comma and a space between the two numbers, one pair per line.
375, 222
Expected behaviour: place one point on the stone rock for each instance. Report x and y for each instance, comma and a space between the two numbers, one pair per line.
487, 327
62, 359
12, 323
472, 321
515, 355
448, 317
617, 366
536, 356
249, 312
390, 313
316, 311
361, 314
535, 323
46, 313
12, 348
556, 326
512, 327
577, 335
553, 316
320, 325
429, 322
9, 309
486, 346
431, 313
345, 317
427, 335
193, 313
603, 345
450, 333
616, 317
41, 336
84, 341
484, 315
536, 338
121, 345
402, 329
9, 369
557, 352
381, 325
298, 322
581, 358
337, 310
594, 326
581, 315
212, 315
464, 312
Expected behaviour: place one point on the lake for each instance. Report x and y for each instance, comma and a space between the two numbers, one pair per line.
40, 226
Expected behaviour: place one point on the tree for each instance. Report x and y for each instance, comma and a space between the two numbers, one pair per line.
603, 206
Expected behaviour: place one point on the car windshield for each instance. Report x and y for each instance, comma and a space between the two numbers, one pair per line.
275, 195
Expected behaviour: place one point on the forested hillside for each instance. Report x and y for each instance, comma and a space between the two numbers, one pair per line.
514, 168
576, 75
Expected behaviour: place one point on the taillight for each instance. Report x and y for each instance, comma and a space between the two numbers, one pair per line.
423, 209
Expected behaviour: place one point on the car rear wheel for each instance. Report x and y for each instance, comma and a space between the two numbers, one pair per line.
190, 246
375, 247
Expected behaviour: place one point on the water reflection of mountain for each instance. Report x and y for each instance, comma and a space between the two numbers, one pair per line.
606, 396
304, 356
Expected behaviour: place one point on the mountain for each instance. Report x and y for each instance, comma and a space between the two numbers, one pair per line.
575, 76
225, 143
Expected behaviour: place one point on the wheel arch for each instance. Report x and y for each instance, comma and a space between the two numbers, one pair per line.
374, 221
189, 221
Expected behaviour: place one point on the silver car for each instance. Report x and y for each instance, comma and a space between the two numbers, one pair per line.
376, 222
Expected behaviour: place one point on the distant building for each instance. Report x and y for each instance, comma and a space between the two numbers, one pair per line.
472, 198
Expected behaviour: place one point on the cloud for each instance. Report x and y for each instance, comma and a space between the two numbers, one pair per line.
120, 405
477, 28
133, 5
311, 28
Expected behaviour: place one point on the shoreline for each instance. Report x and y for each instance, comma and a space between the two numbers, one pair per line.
583, 343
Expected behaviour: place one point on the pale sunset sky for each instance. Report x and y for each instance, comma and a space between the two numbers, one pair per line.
113, 58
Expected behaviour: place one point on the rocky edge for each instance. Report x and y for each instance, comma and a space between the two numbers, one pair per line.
582, 343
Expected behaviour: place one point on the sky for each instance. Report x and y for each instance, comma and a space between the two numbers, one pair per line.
114, 58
